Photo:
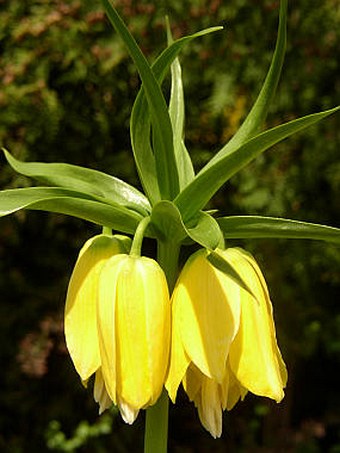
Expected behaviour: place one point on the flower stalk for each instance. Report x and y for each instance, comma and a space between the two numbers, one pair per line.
156, 426
137, 242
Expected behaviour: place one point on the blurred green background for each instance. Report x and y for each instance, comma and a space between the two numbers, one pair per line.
66, 92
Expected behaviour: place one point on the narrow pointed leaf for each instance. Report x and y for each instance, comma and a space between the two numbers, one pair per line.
140, 122
69, 202
242, 227
140, 131
84, 180
167, 172
13, 200
206, 183
259, 110
177, 115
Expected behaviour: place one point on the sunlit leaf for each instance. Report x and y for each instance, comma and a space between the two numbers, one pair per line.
177, 114
84, 180
260, 108
69, 202
206, 183
242, 227
167, 172
140, 123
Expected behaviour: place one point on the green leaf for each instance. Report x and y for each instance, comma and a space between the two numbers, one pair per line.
242, 227
259, 111
205, 230
167, 223
140, 123
70, 202
140, 131
167, 172
84, 180
206, 183
177, 114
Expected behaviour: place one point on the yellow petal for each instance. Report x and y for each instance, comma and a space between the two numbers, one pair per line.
192, 382
106, 321
143, 331
209, 407
128, 413
206, 394
80, 310
254, 354
282, 366
208, 311
179, 361
231, 390
134, 326
211, 397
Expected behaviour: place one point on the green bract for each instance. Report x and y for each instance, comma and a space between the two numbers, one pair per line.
174, 196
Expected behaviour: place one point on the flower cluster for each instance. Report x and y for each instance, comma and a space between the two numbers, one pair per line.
221, 345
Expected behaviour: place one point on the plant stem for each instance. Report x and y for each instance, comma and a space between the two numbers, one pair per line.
167, 257
107, 230
156, 425
137, 241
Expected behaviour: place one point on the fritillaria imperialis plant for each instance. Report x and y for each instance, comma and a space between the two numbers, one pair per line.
134, 322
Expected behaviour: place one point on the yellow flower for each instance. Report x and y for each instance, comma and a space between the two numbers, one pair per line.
134, 332
81, 302
117, 324
223, 337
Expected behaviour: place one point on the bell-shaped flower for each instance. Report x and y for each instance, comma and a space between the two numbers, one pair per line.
206, 316
80, 324
223, 337
133, 314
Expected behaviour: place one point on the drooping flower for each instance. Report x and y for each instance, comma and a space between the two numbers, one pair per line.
223, 337
134, 332
117, 324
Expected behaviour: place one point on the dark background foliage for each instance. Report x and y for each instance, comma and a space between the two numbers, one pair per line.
66, 91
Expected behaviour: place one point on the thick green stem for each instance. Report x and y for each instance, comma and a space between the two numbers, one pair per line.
156, 425
167, 257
